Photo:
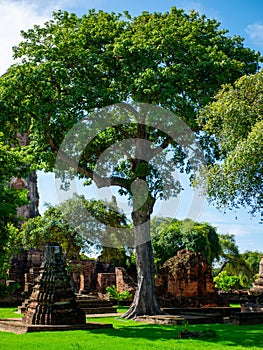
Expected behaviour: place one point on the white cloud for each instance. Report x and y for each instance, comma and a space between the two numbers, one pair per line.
255, 33
17, 15
14, 17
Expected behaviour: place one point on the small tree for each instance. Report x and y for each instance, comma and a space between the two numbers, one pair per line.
118, 296
225, 282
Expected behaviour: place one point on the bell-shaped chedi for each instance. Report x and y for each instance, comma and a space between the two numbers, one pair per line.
257, 287
254, 302
52, 301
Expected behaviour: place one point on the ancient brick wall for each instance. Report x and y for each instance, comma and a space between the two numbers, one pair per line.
104, 280
124, 281
24, 268
84, 275
187, 274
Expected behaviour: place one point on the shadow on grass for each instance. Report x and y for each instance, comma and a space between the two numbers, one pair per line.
228, 335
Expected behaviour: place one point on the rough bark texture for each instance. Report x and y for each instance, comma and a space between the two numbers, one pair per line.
145, 301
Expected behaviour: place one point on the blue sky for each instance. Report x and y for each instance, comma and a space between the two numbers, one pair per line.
244, 18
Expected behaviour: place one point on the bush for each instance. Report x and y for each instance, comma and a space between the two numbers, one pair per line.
225, 282
118, 296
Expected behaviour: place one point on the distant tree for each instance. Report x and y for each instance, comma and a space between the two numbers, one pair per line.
113, 256
233, 263
170, 236
246, 267
225, 282
229, 252
252, 259
69, 225
51, 227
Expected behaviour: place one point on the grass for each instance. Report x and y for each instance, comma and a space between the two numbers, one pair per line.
9, 312
122, 309
234, 305
129, 335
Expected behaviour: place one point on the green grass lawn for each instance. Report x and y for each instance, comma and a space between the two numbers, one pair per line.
234, 305
129, 335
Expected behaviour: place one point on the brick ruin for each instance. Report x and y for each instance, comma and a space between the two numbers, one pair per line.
24, 268
88, 275
29, 183
184, 281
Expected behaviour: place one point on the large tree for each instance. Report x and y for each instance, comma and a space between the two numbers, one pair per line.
235, 121
71, 66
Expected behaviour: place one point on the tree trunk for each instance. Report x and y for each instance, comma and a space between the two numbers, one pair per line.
145, 301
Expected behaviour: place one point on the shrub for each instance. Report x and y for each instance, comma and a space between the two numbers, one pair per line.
118, 296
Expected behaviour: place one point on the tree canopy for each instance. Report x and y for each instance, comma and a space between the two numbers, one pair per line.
235, 119
68, 225
170, 236
71, 66
174, 59
245, 266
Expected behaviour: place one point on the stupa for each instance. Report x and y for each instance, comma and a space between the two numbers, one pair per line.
52, 301
52, 305
254, 301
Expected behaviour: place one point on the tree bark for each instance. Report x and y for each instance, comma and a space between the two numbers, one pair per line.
145, 301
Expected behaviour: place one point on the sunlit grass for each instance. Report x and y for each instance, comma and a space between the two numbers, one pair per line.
130, 335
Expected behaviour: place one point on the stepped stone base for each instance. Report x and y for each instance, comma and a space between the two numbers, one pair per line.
247, 318
93, 305
22, 308
100, 310
15, 325
193, 318
88, 304
223, 311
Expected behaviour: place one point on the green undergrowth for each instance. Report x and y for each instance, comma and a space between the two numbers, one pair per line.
234, 305
130, 335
